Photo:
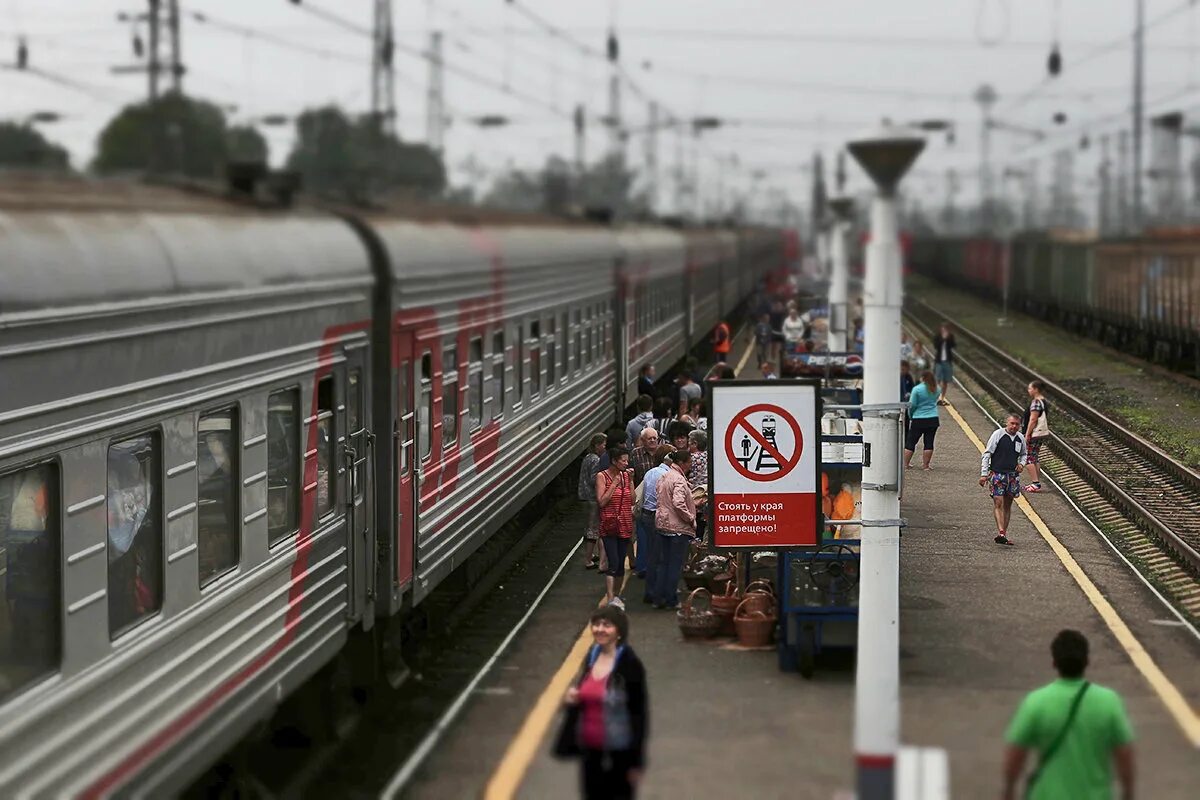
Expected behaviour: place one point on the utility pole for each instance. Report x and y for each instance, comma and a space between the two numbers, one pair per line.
435, 102
1139, 91
176, 54
580, 123
1104, 206
679, 133
652, 157
986, 97
383, 95
1123, 210
152, 63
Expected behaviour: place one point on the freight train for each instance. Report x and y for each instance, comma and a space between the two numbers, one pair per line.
1140, 295
242, 441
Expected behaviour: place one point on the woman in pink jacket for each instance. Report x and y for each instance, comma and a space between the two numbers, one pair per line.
675, 528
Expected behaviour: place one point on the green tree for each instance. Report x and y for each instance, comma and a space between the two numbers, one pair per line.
245, 143
176, 134
352, 158
23, 146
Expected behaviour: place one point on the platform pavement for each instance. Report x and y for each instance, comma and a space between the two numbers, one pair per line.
976, 621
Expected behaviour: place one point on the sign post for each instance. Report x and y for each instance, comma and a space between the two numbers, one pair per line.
765, 461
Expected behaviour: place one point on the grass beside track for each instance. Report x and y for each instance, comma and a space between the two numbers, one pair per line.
1162, 407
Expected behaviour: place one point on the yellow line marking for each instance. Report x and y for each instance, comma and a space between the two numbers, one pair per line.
510, 772
1171, 697
742, 364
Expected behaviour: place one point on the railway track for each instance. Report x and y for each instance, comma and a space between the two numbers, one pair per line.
1145, 500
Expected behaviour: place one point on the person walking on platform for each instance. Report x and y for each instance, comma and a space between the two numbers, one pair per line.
634, 429
923, 420
763, 337
906, 381
647, 536
795, 329
1036, 425
587, 493
664, 412
1003, 459
607, 712
689, 390
722, 341
646, 381
919, 361
943, 360
1078, 730
642, 457
675, 522
614, 495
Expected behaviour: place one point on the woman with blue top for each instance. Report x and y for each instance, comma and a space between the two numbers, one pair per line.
922, 419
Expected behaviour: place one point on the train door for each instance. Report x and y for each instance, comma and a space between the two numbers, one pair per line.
359, 454
404, 430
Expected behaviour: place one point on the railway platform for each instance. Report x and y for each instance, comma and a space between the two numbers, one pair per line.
976, 623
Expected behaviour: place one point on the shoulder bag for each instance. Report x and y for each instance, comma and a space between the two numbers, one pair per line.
1058, 740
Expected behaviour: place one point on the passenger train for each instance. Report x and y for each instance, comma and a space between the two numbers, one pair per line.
241, 441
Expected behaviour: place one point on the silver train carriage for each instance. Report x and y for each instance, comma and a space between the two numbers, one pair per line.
235, 439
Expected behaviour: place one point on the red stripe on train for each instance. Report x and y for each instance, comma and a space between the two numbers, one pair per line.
181, 724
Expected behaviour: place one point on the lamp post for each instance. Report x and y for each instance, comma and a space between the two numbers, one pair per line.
839, 276
885, 155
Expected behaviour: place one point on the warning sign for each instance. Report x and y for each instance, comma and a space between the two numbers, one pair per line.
764, 464
764, 442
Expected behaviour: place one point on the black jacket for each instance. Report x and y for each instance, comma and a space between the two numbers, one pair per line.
951, 345
629, 673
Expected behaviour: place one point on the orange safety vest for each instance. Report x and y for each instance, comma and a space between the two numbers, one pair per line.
721, 338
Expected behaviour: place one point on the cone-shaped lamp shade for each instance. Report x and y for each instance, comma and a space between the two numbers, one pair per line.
886, 155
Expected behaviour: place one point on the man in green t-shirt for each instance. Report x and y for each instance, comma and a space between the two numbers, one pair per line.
1077, 729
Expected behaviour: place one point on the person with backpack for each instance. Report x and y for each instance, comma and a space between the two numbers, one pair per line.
634, 428
1078, 730
607, 712
588, 467
1002, 462
1037, 430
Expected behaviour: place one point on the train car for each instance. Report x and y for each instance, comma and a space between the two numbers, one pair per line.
651, 293
707, 253
499, 362
240, 443
177, 379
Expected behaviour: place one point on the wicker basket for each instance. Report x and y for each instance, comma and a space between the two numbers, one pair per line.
754, 628
694, 622
725, 604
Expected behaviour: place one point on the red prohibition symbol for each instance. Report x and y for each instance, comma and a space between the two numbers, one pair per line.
741, 421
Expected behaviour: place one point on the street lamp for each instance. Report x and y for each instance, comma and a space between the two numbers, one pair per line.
886, 155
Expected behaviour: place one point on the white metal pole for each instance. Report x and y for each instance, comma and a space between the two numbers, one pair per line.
877, 682
839, 289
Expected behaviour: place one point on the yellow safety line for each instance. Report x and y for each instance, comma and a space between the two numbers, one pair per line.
510, 772
742, 364
1171, 697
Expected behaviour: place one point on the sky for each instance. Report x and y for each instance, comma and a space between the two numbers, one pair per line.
788, 78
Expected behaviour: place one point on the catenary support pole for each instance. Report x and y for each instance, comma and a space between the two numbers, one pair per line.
839, 274
886, 156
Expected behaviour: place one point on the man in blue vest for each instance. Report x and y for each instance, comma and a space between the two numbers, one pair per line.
1003, 459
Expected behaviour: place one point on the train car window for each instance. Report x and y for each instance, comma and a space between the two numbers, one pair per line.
354, 399
405, 428
519, 366
30, 536
551, 353
218, 536
326, 444
535, 360
497, 375
283, 464
425, 409
135, 550
449, 397
575, 355
475, 385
